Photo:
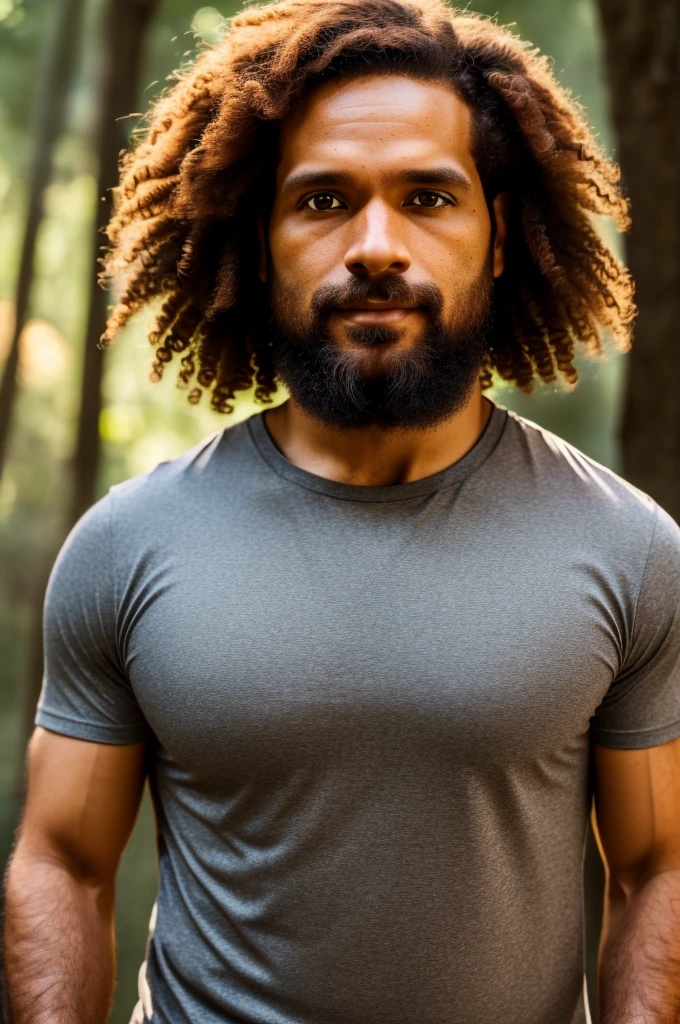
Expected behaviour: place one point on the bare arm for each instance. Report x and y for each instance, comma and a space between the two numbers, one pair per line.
638, 819
82, 802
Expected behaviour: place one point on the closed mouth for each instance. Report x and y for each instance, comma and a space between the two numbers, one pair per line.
374, 307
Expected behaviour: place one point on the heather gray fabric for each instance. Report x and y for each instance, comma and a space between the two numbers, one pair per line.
369, 710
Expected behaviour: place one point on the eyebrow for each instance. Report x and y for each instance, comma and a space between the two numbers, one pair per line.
313, 178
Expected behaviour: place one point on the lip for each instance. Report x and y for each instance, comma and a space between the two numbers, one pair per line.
376, 314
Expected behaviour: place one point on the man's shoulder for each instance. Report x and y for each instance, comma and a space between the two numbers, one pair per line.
573, 483
179, 477
562, 462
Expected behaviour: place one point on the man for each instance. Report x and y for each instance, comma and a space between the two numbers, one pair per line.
377, 647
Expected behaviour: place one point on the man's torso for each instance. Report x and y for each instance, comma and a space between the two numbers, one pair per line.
370, 720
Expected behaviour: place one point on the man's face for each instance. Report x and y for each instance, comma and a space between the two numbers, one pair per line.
379, 255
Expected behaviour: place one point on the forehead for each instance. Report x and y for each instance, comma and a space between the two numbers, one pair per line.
384, 120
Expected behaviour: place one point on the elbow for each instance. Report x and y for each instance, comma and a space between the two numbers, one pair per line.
36, 857
625, 884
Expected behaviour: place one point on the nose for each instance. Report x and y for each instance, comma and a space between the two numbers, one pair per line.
377, 247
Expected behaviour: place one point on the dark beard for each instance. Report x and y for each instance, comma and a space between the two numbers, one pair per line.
427, 385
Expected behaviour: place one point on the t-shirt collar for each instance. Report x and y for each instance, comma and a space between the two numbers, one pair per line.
454, 474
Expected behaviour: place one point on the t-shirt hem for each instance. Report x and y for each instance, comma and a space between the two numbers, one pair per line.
79, 730
637, 739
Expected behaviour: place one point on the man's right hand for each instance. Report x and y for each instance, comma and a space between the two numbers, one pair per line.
83, 799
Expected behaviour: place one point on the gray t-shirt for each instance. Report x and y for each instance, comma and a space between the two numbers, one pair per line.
370, 712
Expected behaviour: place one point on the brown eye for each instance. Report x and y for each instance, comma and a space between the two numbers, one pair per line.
322, 202
431, 200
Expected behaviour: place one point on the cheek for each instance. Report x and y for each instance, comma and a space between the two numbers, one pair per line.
451, 255
303, 254
467, 241
457, 271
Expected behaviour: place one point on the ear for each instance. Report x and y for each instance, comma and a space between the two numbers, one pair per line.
501, 206
261, 248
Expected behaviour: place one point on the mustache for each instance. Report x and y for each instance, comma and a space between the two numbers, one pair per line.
391, 289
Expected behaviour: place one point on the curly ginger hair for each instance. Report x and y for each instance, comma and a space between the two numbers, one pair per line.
183, 230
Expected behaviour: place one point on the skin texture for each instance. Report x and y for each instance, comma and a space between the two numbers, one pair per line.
637, 800
83, 797
370, 130
82, 803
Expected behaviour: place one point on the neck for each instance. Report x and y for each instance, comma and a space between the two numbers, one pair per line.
372, 457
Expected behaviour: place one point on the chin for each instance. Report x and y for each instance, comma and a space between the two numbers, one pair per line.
374, 362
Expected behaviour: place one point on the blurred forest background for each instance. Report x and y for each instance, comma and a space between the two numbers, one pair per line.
73, 421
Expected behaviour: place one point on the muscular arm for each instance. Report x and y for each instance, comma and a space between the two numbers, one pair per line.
82, 802
638, 820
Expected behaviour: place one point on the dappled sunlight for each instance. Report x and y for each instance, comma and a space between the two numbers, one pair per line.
44, 352
44, 355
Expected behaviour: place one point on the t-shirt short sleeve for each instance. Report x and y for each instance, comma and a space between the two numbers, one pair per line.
85, 691
642, 707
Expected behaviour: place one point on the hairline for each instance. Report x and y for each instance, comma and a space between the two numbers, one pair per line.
415, 73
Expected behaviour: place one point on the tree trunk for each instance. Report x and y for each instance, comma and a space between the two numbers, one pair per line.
58, 61
123, 32
641, 57
641, 50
